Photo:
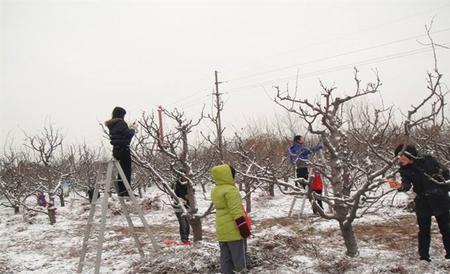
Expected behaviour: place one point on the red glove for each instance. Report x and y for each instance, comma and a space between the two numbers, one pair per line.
243, 227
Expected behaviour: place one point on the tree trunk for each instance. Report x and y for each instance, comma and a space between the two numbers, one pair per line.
196, 224
248, 197
51, 210
140, 191
345, 225
272, 190
52, 215
61, 199
349, 239
191, 198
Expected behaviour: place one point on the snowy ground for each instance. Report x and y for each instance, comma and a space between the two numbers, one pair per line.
387, 242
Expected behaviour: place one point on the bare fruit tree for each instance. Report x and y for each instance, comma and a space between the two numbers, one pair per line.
358, 145
86, 165
52, 171
16, 186
171, 157
431, 132
264, 156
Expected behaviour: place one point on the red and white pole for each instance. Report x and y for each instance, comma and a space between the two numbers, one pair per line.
161, 127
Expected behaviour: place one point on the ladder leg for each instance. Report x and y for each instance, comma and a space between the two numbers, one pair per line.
103, 220
147, 229
292, 206
303, 206
88, 228
138, 209
131, 226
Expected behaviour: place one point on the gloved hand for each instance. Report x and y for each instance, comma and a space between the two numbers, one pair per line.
243, 227
134, 126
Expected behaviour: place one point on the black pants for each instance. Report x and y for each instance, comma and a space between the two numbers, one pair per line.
123, 155
424, 237
90, 193
319, 202
302, 172
183, 221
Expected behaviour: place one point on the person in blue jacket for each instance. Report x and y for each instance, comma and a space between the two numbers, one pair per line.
299, 156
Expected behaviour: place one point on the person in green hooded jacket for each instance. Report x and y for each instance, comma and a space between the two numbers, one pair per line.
231, 227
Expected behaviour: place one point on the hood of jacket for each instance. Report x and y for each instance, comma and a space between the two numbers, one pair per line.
221, 175
112, 121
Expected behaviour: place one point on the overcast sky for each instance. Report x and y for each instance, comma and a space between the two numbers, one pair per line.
69, 63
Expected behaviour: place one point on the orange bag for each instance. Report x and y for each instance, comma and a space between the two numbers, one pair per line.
247, 219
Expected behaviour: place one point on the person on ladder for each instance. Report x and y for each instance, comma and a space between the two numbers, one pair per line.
299, 156
120, 137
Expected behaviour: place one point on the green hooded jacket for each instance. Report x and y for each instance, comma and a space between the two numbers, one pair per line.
227, 201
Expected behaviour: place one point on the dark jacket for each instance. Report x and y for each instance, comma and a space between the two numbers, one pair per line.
119, 132
181, 190
432, 198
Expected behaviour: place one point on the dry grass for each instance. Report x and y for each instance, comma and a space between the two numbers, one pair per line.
390, 235
399, 236
302, 247
4, 267
283, 221
325, 248
395, 236
335, 267
72, 252
155, 228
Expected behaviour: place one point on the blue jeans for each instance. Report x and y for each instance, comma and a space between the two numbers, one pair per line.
184, 226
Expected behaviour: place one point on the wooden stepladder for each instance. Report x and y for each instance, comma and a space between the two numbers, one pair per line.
113, 168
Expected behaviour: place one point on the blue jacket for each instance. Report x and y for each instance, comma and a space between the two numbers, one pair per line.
299, 153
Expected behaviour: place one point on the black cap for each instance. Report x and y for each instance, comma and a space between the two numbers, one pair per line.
297, 137
410, 151
118, 112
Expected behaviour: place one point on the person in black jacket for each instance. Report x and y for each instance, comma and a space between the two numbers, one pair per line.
432, 196
120, 135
